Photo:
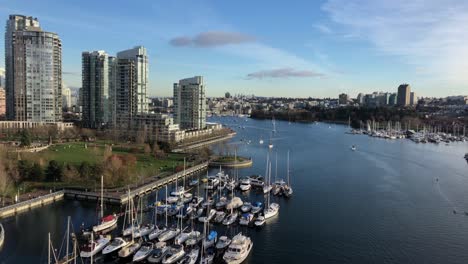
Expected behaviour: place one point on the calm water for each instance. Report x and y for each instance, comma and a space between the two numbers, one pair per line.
379, 204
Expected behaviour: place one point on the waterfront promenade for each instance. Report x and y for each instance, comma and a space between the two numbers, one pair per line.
119, 196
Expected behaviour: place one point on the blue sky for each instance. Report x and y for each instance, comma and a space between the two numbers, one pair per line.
280, 48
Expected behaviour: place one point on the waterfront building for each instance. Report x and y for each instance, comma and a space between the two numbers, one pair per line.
96, 104
33, 61
190, 103
404, 94
360, 99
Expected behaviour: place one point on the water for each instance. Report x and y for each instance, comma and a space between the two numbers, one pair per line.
378, 204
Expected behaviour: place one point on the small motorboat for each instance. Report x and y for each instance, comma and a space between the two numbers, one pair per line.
246, 207
246, 219
131, 229
257, 181
245, 185
174, 254
271, 211
144, 252
158, 252
267, 188
94, 247
230, 219
116, 244
353, 148
144, 230
196, 201
223, 243
260, 221
257, 207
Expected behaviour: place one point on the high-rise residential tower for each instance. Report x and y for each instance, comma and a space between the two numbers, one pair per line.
138, 56
404, 93
96, 101
33, 65
190, 103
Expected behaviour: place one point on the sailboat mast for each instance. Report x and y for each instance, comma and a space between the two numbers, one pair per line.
92, 245
165, 208
68, 237
48, 251
184, 173
269, 179
276, 167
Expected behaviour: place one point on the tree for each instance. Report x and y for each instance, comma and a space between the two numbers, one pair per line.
54, 171
5, 179
147, 148
25, 138
36, 173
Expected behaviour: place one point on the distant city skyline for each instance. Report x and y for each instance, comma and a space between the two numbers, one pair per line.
301, 49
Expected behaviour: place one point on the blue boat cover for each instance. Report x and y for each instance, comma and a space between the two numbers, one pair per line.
212, 235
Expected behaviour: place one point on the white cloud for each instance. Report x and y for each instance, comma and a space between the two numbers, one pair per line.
428, 34
323, 28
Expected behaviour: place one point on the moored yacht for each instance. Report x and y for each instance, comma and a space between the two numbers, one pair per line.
144, 252
94, 247
245, 184
223, 243
116, 244
174, 254
238, 250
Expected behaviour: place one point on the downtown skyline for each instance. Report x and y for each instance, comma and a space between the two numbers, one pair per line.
303, 49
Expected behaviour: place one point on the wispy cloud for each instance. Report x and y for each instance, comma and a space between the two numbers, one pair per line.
212, 39
70, 73
283, 73
430, 33
323, 28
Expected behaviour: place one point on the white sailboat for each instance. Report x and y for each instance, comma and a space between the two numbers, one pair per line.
273, 208
156, 231
132, 246
106, 221
287, 189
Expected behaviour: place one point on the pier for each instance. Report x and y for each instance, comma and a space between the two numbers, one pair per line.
29, 204
109, 197
185, 148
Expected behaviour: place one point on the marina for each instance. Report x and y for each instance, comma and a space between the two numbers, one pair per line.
366, 183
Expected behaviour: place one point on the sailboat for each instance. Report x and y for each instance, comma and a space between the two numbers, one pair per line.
133, 245
169, 233
52, 253
287, 189
156, 231
267, 187
273, 208
274, 124
106, 221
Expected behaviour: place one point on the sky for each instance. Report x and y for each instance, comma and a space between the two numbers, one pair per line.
297, 48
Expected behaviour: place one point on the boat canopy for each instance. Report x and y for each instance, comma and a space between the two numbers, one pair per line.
212, 235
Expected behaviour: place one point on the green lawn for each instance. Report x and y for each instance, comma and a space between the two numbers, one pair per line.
76, 153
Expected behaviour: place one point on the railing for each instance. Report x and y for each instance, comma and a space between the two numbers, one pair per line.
163, 181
